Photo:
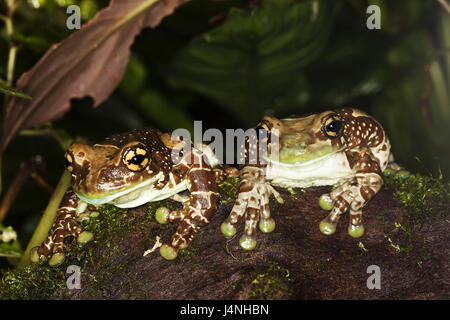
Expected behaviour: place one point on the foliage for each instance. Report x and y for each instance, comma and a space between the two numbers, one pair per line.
424, 195
90, 62
273, 284
253, 61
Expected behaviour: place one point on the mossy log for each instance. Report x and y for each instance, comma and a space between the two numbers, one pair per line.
406, 237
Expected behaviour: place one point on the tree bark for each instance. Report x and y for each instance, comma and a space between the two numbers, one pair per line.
296, 261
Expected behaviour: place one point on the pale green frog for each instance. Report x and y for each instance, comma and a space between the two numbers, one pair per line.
346, 148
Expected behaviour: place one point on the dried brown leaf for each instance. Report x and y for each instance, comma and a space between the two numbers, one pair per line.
91, 62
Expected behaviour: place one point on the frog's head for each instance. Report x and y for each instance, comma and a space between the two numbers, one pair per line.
302, 139
119, 165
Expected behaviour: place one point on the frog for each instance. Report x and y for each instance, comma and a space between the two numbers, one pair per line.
345, 148
131, 169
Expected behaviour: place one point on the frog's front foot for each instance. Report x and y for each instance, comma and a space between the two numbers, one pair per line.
186, 231
352, 196
163, 215
253, 203
53, 246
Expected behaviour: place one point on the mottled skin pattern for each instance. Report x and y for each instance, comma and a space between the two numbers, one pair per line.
346, 148
131, 169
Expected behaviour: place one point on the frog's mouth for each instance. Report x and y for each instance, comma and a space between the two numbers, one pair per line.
297, 152
135, 195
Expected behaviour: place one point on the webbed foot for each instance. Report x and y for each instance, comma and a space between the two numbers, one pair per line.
253, 203
352, 196
53, 248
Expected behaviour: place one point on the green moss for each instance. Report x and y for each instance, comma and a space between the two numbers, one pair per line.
362, 247
191, 250
37, 281
153, 206
273, 284
291, 192
396, 246
111, 222
228, 190
424, 195
40, 281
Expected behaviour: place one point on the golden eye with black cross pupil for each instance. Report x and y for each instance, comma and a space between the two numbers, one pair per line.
136, 158
332, 126
68, 161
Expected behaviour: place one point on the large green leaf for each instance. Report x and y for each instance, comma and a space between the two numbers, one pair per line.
252, 63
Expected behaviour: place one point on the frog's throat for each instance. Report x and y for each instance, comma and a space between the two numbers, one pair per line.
302, 163
324, 171
137, 195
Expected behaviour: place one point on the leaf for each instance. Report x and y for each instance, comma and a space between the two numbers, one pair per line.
13, 92
9, 251
90, 62
253, 62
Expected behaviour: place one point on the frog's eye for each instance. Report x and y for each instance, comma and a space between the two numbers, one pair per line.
68, 162
332, 126
136, 158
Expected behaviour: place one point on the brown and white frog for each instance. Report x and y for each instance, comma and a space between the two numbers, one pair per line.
346, 148
129, 170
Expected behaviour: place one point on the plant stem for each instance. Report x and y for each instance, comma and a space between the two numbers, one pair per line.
46, 222
445, 5
11, 56
11, 64
8, 20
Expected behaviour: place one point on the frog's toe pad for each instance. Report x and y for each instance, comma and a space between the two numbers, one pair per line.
327, 227
325, 202
356, 231
402, 174
85, 237
162, 215
94, 214
267, 225
34, 255
247, 243
57, 259
168, 252
228, 229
